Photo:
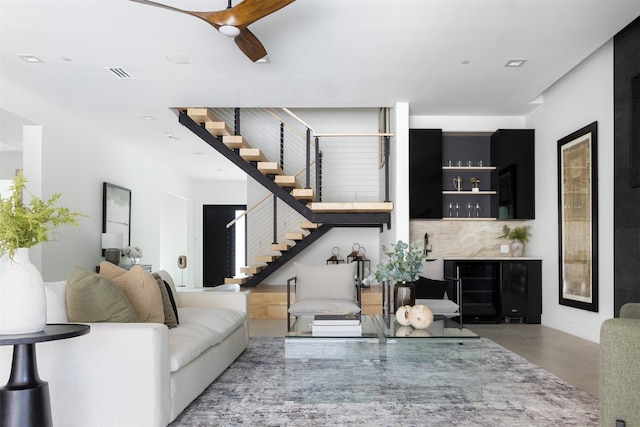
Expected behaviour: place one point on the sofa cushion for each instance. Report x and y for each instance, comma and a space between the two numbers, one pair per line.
140, 288
169, 315
333, 281
56, 293
439, 306
429, 288
200, 328
433, 269
94, 298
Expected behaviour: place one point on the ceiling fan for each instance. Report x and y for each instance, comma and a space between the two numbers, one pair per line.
233, 21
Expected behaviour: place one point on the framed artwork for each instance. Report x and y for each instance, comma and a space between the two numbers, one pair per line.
578, 218
116, 211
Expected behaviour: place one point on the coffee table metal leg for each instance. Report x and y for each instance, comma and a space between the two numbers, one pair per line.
25, 398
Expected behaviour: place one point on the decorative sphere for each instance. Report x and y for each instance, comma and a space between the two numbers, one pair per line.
420, 316
402, 315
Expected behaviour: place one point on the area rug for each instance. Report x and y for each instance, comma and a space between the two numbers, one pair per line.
515, 393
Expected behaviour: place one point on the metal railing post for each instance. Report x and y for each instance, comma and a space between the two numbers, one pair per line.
387, 150
318, 171
282, 145
236, 124
308, 160
275, 219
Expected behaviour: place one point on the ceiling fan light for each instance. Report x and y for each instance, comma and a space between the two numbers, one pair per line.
229, 30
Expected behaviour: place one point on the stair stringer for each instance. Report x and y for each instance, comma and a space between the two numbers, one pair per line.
288, 255
252, 171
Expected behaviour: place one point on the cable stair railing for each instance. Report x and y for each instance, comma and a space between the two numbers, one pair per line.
303, 195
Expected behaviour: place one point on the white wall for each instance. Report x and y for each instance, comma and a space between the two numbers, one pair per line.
583, 96
75, 162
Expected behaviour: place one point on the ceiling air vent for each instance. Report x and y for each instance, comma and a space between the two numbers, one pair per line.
120, 73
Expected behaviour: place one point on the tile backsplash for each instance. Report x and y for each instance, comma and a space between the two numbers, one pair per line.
454, 239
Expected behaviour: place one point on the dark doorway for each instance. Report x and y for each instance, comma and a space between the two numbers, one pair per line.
219, 243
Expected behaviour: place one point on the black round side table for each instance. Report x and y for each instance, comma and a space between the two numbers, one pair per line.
25, 398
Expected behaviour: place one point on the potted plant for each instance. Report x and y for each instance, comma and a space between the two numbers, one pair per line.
519, 236
403, 266
22, 299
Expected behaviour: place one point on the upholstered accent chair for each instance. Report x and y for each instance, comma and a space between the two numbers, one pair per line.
619, 368
323, 289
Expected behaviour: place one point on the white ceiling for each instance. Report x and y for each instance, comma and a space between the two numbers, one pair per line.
444, 57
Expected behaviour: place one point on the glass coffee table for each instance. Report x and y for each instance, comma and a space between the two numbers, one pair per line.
440, 363
386, 363
323, 369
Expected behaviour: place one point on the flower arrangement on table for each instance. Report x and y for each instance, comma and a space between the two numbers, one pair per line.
133, 252
404, 264
26, 225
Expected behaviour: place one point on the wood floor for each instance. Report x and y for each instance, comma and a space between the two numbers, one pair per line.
573, 359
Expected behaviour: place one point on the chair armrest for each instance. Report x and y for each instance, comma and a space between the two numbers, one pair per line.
619, 373
630, 311
204, 298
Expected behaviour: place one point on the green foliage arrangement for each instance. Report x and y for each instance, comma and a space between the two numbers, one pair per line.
516, 233
404, 264
24, 226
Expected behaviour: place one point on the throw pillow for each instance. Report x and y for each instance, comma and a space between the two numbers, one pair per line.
429, 288
169, 316
140, 288
333, 281
434, 269
94, 298
174, 306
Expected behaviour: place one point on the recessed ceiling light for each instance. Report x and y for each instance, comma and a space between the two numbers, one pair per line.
515, 63
465, 62
179, 58
146, 117
30, 58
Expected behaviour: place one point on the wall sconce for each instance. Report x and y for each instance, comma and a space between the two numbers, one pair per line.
112, 243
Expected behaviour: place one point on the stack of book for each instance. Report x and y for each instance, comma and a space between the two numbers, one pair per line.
336, 325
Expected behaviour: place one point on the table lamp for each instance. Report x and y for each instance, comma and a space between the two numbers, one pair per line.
112, 244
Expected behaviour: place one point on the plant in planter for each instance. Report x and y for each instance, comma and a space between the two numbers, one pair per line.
403, 266
22, 300
519, 236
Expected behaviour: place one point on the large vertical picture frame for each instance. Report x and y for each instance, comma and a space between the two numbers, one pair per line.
116, 211
578, 218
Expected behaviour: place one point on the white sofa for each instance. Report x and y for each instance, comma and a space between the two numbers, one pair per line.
138, 374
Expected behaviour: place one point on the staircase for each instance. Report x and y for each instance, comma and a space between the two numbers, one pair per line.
321, 217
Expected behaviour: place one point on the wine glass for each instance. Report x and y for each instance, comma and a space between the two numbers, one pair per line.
478, 209
457, 210
450, 209
469, 209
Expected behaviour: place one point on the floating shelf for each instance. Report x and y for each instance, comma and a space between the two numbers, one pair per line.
470, 193
468, 168
466, 218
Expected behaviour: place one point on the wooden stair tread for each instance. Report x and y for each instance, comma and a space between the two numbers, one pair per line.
302, 193
235, 280
251, 269
270, 168
280, 247
351, 207
307, 225
234, 142
252, 155
218, 128
285, 180
294, 236
266, 258
201, 115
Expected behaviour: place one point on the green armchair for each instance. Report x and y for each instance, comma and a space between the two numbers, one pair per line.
620, 368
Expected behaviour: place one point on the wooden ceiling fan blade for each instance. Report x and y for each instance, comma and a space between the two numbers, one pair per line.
202, 15
250, 45
249, 11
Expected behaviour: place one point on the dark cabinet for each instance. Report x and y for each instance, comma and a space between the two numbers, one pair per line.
425, 173
503, 162
497, 290
514, 152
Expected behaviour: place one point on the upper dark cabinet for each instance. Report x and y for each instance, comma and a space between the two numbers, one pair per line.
425, 173
514, 153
